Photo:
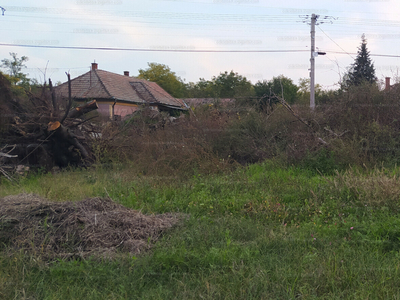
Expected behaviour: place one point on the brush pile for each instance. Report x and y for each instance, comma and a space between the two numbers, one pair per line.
96, 226
42, 131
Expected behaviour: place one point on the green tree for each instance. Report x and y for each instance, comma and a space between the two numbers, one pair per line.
321, 96
231, 85
19, 81
14, 65
202, 89
304, 91
362, 70
14, 68
268, 91
225, 85
164, 77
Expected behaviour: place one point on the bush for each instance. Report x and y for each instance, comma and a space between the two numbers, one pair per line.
322, 161
356, 127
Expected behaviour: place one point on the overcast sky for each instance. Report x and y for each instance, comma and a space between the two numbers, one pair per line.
157, 27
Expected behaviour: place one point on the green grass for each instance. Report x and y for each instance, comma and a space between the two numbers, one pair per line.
262, 232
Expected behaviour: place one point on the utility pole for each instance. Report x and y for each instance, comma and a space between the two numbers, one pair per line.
312, 60
314, 54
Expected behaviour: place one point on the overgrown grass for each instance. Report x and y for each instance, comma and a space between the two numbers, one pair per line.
261, 232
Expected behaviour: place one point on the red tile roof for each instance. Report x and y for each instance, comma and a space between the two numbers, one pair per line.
102, 85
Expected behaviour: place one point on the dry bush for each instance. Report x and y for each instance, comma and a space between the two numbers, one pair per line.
304, 138
252, 136
211, 140
360, 126
160, 147
366, 121
244, 138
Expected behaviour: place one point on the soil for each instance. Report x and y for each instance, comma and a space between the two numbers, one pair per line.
92, 227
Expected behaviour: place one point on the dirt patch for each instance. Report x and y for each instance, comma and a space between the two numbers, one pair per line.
93, 226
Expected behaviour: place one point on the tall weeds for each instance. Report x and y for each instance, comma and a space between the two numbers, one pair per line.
356, 127
378, 188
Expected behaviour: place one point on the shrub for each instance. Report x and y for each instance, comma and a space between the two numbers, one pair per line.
322, 161
356, 127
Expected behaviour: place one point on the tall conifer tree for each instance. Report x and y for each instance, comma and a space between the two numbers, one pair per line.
362, 70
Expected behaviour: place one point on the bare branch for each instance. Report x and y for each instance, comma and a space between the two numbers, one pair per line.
289, 108
53, 97
69, 99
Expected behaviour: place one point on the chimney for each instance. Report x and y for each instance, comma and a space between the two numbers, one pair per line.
387, 83
94, 66
126, 73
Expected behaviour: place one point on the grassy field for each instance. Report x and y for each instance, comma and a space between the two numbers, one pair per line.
260, 232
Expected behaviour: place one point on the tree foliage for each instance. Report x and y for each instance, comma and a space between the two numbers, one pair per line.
362, 70
268, 91
304, 91
202, 89
18, 80
164, 77
14, 65
232, 85
321, 96
225, 85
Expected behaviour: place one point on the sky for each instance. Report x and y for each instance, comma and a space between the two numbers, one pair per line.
200, 38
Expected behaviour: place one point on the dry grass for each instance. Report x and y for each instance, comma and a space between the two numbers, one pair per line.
90, 227
379, 188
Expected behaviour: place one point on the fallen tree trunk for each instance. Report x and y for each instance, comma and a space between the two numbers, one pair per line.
83, 109
63, 134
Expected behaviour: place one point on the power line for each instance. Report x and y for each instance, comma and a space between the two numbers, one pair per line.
335, 42
152, 50
193, 16
184, 50
371, 54
148, 23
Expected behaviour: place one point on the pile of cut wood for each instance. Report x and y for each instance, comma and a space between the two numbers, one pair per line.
42, 131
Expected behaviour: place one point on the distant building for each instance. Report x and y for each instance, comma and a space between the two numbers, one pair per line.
118, 95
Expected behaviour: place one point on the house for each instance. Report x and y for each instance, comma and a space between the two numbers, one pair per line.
118, 95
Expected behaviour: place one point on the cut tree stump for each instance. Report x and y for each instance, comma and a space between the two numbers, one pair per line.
63, 134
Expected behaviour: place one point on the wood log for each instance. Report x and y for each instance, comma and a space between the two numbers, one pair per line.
7, 155
53, 126
83, 109
64, 134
